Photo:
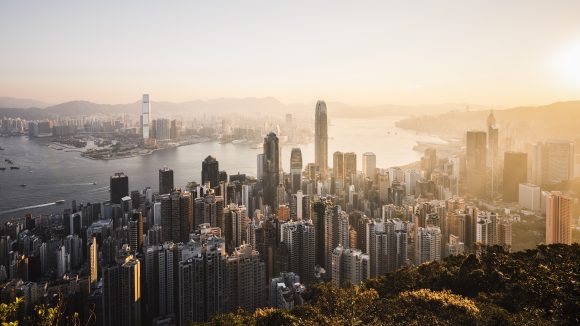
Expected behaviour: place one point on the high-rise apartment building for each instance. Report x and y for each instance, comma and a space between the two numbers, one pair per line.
296, 169
245, 279
476, 163
300, 239
428, 246
529, 196
349, 266
176, 216
559, 210
369, 164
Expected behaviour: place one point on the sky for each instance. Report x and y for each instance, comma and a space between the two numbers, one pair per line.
497, 53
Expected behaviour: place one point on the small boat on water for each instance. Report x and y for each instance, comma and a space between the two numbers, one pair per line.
59, 202
94, 183
22, 185
14, 168
2, 168
8, 161
1, 148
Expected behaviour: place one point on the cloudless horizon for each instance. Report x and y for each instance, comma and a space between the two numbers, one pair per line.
378, 52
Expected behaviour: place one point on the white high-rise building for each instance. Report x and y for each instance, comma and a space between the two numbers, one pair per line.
530, 196
428, 246
349, 266
369, 164
145, 116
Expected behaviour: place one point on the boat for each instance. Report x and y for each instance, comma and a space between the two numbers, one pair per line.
14, 168
94, 183
59, 202
1, 148
2, 168
22, 185
8, 161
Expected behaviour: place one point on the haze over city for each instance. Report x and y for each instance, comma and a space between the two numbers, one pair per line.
497, 54
290, 163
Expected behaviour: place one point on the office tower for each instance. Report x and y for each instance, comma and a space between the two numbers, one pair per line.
209, 209
267, 241
300, 207
454, 247
161, 282
369, 164
286, 291
556, 161
428, 244
119, 184
136, 231
271, 175
349, 266
210, 171
559, 210
529, 196
429, 162
296, 169
162, 129
260, 166
383, 184
300, 239
321, 138
174, 129
122, 297
411, 178
165, 180
349, 167
245, 279
338, 165
176, 216
476, 159
515, 171
236, 222
201, 282
386, 244
93, 262
145, 116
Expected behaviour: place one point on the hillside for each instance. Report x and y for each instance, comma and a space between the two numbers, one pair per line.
533, 287
557, 120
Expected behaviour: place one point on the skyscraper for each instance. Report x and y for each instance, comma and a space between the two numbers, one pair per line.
93, 262
176, 216
369, 164
145, 117
338, 165
210, 171
296, 169
119, 184
246, 279
165, 180
300, 239
122, 293
559, 210
428, 246
476, 163
321, 138
349, 266
493, 149
271, 176
556, 161
349, 166
515, 171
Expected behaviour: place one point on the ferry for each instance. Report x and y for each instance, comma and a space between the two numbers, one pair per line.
14, 168
59, 202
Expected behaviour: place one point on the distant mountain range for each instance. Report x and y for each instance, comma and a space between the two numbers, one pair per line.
559, 120
266, 106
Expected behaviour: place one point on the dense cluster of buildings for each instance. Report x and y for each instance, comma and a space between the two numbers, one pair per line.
178, 255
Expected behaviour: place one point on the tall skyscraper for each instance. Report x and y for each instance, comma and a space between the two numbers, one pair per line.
369, 164
271, 176
176, 216
296, 169
119, 184
321, 138
122, 299
93, 262
349, 167
476, 163
556, 161
338, 165
515, 171
210, 171
559, 210
145, 116
300, 239
429, 162
165, 180
246, 279
493, 149
161, 278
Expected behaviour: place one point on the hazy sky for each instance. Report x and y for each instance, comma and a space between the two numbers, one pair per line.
358, 52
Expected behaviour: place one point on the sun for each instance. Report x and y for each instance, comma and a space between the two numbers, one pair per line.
568, 64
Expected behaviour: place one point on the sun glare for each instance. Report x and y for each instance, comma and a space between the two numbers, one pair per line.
568, 63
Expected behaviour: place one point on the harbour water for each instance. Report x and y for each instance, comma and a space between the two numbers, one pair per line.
51, 175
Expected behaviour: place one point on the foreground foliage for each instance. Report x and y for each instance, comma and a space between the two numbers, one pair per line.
532, 287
